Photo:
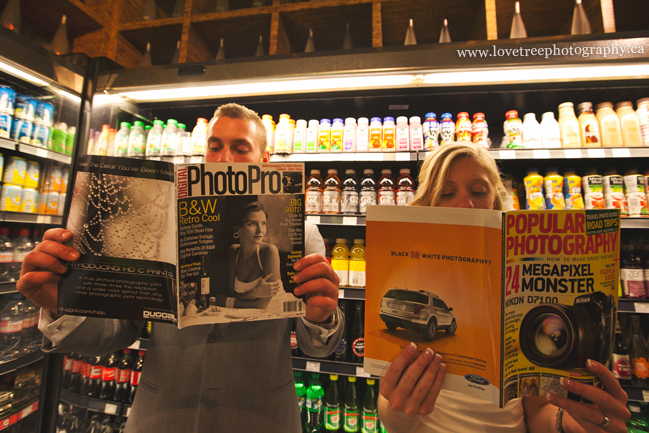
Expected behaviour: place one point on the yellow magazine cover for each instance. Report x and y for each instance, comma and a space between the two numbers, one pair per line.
512, 301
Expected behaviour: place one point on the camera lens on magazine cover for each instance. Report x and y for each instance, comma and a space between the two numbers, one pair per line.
565, 336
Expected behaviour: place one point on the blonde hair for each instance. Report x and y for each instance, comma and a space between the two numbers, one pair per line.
236, 111
434, 172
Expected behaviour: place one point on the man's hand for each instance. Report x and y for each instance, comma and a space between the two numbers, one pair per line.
42, 267
318, 283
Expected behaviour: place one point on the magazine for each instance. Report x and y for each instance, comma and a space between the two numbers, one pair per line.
512, 301
187, 244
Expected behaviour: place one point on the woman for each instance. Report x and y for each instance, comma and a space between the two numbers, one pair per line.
254, 264
411, 399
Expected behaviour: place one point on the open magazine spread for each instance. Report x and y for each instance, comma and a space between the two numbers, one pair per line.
188, 244
512, 301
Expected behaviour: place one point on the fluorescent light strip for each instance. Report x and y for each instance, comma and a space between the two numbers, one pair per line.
20, 74
386, 81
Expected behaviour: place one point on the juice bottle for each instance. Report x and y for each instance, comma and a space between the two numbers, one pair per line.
363, 135
531, 132
349, 135
387, 196
402, 134
340, 261
376, 135
282, 134
121, 139
169, 138
431, 131
357, 264
368, 195
550, 131
572, 189
416, 134
313, 193
111, 142
463, 127
635, 194
337, 135
312, 136
643, 118
137, 141
513, 128
349, 198
480, 130
102, 142
267, 120
591, 185
406, 191
534, 190
553, 184
631, 136
569, 125
199, 137
324, 135
609, 125
154, 139
331, 193
511, 193
446, 129
388, 143
588, 126
299, 136
613, 189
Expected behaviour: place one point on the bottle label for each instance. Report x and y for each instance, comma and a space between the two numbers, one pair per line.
324, 140
331, 201
95, 371
348, 140
298, 141
403, 143
387, 198
349, 202
388, 139
6, 256
621, 366
351, 420
311, 141
169, 143
8, 326
293, 340
199, 142
86, 369
332, 418
370, 422
362, 140
375, 138
357, 273
341, 348
313, 201
77, 365
358, 347
447, 130
341, 267
368, 198
313, 404
301, 401
463, 130
640, 367
404, 197
67, 364
108, 374
336, 140
123, 375
633, 283
431, 135
135, 378
153, 145
121, 145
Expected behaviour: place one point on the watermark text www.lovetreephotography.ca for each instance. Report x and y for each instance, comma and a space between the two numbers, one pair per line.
601, 51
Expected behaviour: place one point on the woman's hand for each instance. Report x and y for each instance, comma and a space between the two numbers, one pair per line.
412, 387
607, 413
318, 283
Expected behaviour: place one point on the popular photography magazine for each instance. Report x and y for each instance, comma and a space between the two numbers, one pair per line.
513, 301
187, 244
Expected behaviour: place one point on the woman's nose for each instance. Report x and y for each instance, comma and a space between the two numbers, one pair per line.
465, 201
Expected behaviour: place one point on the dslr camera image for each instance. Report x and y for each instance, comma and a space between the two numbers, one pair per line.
565, 336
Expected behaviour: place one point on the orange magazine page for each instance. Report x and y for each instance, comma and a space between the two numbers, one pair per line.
434, 278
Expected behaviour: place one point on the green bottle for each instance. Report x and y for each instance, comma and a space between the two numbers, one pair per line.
370, 417
314, 406
332, 405
351, 413
301, 396
637, 422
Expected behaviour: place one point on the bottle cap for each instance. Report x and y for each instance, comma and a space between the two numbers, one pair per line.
585, 107
376, 119
314, 171
368, 170
204, 120
182, 126
333, 377
566, 104
315, 375
284, 116
430, 115
158, 122
623, 104
447, 116
125, 125
23, 232
105, 126
332, 171
551, 170
351, 379
477, 116
148, 127
415, 119
338, 120
341, 241
568, 170
548, 115
642, 101
313, 123
402, 119
323, 121
127, 350
301, 123
388, 119
370, 382
350, 121
511, 114
386, 171
463, 115
350, 171
404, 170
138, 123
604, 105
530, 116
359, 241
264, 117
363, 121
172, 121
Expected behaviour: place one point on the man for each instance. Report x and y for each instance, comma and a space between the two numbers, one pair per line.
219, 378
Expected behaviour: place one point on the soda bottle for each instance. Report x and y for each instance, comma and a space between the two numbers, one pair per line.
86, 368
351, 412
75, 375
332, 405
67, 370
368, 194
135, 375
108, 377
406, 191
358, 341
300, 389
620, 364
331, 193
357, 264
340, 352
29, 334
370, 416
349, 198
11, 326
313, 194
340, 261
295, 349
314, 406
638, 354
6, 255
94, 383
631, 273
123, 377
386, 195
23, 245
637, 423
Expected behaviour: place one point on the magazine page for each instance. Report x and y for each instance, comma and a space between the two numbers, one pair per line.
122, 221
434, 278
240, 230
561, 274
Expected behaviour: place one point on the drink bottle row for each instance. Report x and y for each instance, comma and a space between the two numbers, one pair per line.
113, 377
347, 260
352, 344
73, 419
19, 334
351, 196
629, 361
20, 389
14, 246
341, 408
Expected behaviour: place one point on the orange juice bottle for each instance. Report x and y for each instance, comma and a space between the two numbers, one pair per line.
572, 190
553, 184
534, 190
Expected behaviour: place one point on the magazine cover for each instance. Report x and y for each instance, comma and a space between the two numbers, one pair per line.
512, 301
190, 244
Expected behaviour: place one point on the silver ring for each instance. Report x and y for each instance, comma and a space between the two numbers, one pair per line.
606, 423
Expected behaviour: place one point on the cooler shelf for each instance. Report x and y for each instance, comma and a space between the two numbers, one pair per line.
329, 367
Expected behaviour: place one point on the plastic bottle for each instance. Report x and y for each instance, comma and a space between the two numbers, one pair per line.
331, 193
531, 132
282, 133
11, 325
349, 196
389, 135
620, 362
300, 389
313, 193
635, 194
402, 134
75, 374
199, 137
135, 375
299, 136
357, 264
154, 139
643, 117
314, 405
588, 126
184, 141
362, 135
368, 194
376, 135
29, 337
169, 139
6, 256
123, 377
416, 134
85, 375
94, 383
108, 377
351, 414
267, 120
349, 135
332, 416
572, 190
638, 354
637, 423
631, 272
23, 245
406, 188
513, 129
480, 130
358, 335
324, 135
534, 199
121, 139
340, 261
613, 189
629, 123
609, 125
337, 131
67, 371
387, 187
370, 416
463, 127
101, 147
553, 185
312, 136
111, 142
137, 141
550, 131
431, 131
591, 185
569, 126
446, 129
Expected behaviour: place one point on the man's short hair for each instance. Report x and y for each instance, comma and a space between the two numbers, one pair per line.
236, 111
